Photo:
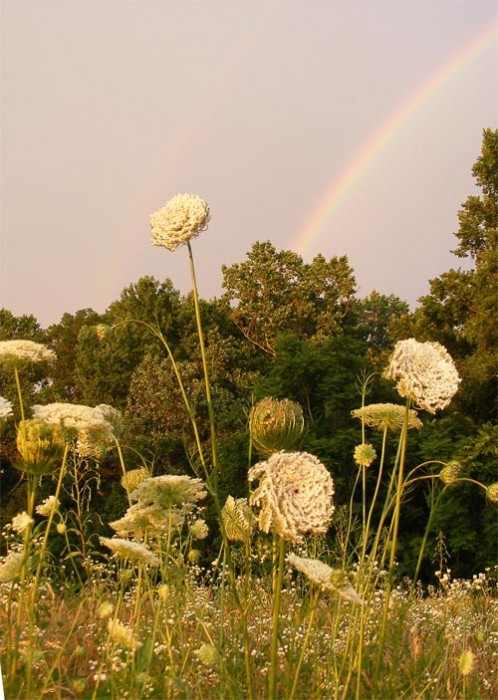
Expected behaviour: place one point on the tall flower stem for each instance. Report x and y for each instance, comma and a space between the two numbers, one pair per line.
204, 366
19, 392
277, 600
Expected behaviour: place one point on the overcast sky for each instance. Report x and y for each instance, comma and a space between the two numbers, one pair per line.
262, 108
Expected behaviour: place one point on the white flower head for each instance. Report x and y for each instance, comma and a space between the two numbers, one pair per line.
169, 491
425, 373
386, 416
16, 351
294, 495
132, 551
49, 504
121, 635
21, 522
5, 408
11, 566
321, 575
364, 455
181, 219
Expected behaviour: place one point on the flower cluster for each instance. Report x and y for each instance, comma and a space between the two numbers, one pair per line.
134, 477
21, 522
40, 445
16, 351
321, 575
11, 566
425, 373
387, 416
181, 219
95, 427
294, 495
49, 504
364, 455
121, 635
5, 408
131, 551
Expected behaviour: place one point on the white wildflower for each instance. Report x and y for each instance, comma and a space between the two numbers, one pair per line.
199, 530
132, 551
14, 351
294, 495
170, 491
387, 416
121, 635
364, 455
181, 219
49, 504
5, 408
11, 566
425, 373
321, 575
21, 522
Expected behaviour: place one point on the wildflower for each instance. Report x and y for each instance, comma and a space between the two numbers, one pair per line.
15, 351
321, 575
181, 219
492, 492
22, 522
169, 491
207, 655
451, 472
238, 519
294, 495
134, 477
133, 551
102, 330
386, 416
122, 635
5, 408
425, 372
94, 426
466, 662
11, 566
163, 592
40, 445
105, 609
139, 519
61, 528
199, 530
275, 425
194, 556
364, 455
49, 504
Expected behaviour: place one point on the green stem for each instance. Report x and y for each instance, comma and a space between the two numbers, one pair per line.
19, 392
277, 600
304, 646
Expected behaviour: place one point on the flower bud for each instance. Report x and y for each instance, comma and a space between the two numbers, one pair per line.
275, 425
40, 445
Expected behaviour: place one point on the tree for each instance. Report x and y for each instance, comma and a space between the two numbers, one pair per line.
275, 292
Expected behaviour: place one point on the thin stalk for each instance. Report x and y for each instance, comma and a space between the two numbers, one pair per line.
304, 646
19, 392
277, 600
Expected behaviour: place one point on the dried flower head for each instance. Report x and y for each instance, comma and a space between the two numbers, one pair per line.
451, 472
19, 351
121, 635
170, 491
238, 519
364, 455
134, 477
275, 425
132, 551
294, 495
181, 219
387, 416
492, 492
11, 566
49, 504
40, 445
321, 575
21, 522
425, 372
5, 408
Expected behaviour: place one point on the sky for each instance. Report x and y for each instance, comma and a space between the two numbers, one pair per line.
332, 127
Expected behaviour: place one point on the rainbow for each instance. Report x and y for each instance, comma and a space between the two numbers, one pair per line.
337, 191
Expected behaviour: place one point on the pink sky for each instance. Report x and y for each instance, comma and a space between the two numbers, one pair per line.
110, 108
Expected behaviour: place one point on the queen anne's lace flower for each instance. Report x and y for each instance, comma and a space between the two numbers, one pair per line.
321, 575
11, 566
133, 551
21, 522
207, 655
5, 408
425, 372
451, 472
275, 425
294, 495
364, 455
134, 477
238, 519
122, 635
14, 351
387, 416
492, 492
49, 504
199, 529
40, 445
170, 491
139, 520
181, 219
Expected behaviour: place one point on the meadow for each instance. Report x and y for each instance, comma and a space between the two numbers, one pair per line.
281, 593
